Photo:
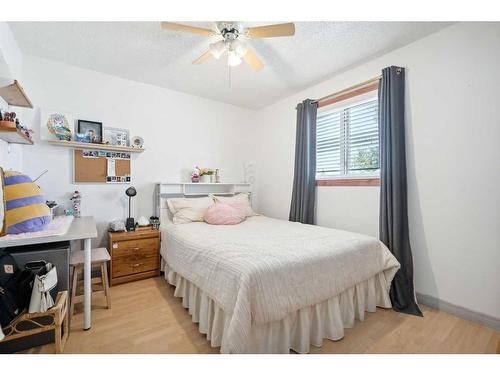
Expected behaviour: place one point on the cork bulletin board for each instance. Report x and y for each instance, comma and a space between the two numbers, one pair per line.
95, 169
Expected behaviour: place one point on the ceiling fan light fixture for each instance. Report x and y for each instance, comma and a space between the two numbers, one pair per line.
233, 59
217, 49
239, 47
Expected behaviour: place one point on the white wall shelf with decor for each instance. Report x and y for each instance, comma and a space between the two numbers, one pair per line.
14, 135
203, 188
94, 146
14, 95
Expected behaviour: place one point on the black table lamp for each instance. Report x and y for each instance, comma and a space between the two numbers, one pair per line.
130, 223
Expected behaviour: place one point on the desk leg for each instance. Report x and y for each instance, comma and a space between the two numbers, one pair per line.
87, 284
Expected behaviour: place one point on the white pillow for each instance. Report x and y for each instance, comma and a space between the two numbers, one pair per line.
187, 210
242, 200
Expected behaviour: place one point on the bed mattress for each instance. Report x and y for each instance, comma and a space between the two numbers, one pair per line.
263, 270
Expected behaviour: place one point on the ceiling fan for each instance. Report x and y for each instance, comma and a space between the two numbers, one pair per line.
234, 40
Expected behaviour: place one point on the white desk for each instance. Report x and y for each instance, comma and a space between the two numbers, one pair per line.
84, 229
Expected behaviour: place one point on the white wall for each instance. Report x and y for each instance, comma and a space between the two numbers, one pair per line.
11, 65
453, 132
179, 131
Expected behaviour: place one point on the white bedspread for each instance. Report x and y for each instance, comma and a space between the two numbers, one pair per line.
263, 269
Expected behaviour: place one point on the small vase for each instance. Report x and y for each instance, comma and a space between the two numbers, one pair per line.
205, 178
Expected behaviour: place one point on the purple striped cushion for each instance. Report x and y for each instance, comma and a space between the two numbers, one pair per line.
26, 210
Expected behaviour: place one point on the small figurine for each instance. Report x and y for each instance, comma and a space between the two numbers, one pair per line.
195, 176
77, 199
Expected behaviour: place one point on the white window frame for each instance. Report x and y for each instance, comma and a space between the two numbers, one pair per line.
337, 107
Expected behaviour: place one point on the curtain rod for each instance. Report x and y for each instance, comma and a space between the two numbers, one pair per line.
362, 84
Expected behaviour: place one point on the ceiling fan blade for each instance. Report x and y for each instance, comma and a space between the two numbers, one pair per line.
185, 28
252, 60
271, 31
203, 58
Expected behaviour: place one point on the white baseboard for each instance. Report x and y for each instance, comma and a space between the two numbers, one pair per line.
459, 311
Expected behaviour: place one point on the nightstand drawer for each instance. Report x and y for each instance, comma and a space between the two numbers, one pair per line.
134, 255
134, 264
144, 247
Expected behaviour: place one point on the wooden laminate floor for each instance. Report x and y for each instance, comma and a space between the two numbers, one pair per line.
146, 318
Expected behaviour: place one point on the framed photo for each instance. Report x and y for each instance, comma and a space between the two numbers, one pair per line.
91, 129
116, 137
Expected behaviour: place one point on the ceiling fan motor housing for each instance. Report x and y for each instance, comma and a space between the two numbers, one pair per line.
230, 30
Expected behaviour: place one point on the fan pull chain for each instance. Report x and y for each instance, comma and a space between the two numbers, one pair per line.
229, 74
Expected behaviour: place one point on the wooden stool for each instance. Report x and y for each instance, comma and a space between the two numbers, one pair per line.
100, 256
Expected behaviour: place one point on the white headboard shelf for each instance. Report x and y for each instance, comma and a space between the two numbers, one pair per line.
197, 189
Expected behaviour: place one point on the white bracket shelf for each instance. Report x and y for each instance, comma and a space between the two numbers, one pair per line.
94, 146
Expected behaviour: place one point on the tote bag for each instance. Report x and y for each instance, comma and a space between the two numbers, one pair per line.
44, 282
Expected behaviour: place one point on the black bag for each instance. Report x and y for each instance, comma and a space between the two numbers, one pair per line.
8, 290
15, 289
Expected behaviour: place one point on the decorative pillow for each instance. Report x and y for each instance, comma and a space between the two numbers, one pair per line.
241, 200
188, 210
224, 214
26, 210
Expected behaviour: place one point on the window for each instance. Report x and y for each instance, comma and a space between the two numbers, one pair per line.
347, 139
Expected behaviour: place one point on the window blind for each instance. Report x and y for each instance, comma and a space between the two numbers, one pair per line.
347, 140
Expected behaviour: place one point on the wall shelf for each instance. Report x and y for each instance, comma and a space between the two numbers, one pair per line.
94, 146
14, 95
13, 135
203, 188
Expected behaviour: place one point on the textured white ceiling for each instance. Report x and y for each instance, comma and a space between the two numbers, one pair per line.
141, 51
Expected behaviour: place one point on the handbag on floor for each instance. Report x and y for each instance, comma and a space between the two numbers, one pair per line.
9, 272
45, 281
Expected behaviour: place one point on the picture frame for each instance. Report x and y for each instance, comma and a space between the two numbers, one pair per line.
116, 136
91, 129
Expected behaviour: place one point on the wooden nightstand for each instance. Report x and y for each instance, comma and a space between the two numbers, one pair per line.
134, 255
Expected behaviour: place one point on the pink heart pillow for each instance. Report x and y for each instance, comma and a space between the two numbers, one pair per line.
224, 214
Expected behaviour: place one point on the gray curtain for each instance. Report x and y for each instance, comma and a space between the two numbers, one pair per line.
394, 232
304, 180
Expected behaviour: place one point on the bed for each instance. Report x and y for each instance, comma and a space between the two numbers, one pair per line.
271, 286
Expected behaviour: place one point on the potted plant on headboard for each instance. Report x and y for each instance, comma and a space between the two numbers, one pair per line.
205, 175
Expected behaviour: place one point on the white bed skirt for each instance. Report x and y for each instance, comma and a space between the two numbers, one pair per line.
298, 330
